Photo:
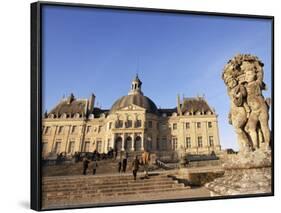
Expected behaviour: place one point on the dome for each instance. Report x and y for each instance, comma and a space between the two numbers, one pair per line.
136, 99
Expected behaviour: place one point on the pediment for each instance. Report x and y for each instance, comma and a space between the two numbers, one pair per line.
132, 107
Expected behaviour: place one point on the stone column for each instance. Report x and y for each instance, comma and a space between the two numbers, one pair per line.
113, 141
142, 142
133, 142
123, 142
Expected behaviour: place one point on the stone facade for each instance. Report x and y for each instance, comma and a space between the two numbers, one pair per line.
134, 123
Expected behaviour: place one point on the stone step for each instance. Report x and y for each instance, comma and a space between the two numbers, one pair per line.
92, 194
105, 191
60, 187
102, 178
120, 183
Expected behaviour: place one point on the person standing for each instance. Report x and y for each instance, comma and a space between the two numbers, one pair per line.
95, 165
85, 165
124, 164
135, 166
119, 166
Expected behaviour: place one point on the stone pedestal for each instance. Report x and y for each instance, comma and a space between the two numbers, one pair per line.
245, 173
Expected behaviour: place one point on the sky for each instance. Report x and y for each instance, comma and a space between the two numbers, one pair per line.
90, 50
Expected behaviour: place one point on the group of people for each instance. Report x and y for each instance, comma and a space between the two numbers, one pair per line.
86, 163
122, 165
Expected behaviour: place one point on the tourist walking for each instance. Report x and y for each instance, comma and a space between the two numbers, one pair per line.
135, 166
85, 165
145, 158
95, 165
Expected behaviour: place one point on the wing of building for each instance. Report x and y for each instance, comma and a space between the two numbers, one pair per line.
134, 123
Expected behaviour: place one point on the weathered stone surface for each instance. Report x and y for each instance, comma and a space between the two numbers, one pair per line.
247, 160
242, 181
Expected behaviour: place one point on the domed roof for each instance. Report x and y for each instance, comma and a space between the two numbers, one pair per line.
136, 99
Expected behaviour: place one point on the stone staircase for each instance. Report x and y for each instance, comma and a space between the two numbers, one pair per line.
78, 190
104, 167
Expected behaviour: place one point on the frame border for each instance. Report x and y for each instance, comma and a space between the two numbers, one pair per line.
36, 100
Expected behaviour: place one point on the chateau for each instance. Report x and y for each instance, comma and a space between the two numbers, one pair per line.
133, 123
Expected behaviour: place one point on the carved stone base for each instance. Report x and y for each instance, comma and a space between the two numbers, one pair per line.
245, 173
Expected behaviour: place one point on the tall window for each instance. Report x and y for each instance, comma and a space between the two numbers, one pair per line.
60, 130
99, 146
149, 124
44, 147
187, 125
57, 147
109, 125
129, 123
71, 147
47, 129
188, 142
174, 126
164, 143
138, 123
73, 129
119, 124
211, 140
210, 125
200, 143
198, 125
158, 147
174, 143
87, 146
89, 129
108, 144
99, 128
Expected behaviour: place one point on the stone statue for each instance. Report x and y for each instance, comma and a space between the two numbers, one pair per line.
249, 171
243, 76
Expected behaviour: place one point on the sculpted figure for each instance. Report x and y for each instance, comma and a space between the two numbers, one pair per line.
259, 108
238, 111
243, 76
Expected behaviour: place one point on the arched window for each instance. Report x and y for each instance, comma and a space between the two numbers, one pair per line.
63, 116
51, 116
76, 115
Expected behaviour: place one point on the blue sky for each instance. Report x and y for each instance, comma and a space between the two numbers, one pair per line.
89, 50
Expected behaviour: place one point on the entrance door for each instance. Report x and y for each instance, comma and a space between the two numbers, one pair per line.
128, 144
138, 143
118, 144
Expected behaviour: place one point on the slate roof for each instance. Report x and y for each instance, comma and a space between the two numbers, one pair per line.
193, 105
70, 107
136, 99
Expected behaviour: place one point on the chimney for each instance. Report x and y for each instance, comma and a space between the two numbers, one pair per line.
91, 103
179, 106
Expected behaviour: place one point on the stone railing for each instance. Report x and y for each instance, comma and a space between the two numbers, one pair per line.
166, 166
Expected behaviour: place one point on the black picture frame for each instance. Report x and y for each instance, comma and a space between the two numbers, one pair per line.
36, 97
